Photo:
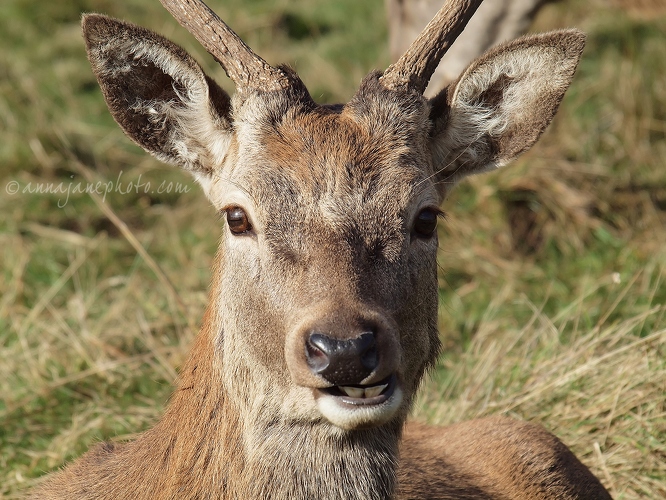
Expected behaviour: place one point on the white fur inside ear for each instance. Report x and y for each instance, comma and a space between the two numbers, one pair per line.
160, 96
502, 103
528, 73
525, 73
199, 136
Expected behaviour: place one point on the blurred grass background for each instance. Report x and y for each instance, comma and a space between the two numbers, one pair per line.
553, 293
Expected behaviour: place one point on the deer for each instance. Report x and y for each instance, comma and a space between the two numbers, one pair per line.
322, 313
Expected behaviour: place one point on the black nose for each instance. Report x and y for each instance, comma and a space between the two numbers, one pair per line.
342, 362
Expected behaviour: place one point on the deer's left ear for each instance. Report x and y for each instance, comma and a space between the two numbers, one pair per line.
502, 103
159, 95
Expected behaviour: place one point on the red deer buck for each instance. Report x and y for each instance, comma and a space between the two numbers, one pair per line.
322, 317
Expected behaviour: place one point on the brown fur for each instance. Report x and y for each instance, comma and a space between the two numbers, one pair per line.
332, 193
491, 458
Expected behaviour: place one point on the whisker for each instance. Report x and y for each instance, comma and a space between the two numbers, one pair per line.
445, 167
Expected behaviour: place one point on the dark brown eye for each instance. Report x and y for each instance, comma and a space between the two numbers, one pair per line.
237, 220
425, 223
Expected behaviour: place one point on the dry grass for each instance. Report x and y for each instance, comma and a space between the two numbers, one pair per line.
552, 282
600, 389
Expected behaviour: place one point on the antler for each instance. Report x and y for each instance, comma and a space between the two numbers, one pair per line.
245, 68
414, 69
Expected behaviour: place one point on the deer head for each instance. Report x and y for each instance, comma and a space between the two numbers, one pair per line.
323, 308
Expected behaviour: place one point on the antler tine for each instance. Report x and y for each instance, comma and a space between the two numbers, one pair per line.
415, 67
245, 68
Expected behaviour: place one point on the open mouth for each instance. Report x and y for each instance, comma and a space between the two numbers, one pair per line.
360, 406
364, 395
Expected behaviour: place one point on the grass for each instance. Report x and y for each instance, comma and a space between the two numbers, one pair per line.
553, 294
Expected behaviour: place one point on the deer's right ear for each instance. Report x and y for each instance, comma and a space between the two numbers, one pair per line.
159, 95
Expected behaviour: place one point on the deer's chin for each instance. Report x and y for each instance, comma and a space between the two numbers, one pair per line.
360, 407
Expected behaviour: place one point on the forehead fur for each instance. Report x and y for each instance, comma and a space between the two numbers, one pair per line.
373, 148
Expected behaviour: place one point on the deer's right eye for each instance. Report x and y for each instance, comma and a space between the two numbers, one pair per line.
237, 220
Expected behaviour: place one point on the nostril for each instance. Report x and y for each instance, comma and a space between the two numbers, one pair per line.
368, 351
342, 361
316, 349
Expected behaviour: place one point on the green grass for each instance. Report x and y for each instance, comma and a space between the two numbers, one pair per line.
553, 271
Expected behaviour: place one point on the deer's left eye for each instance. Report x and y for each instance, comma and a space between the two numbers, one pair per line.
237, 220
426, 223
